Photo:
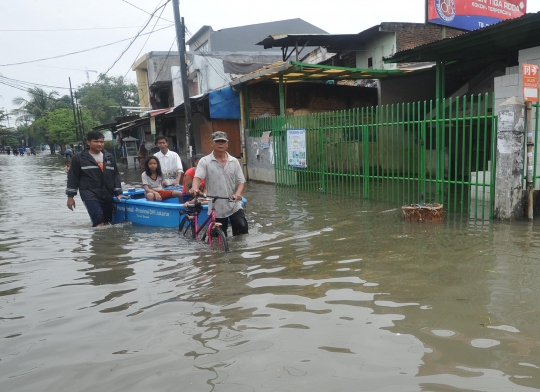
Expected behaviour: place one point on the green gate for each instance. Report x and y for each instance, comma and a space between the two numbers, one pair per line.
422, 152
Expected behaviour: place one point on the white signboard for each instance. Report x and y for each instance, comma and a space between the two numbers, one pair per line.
296, 148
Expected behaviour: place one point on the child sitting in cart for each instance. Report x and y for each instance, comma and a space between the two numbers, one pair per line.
152, 180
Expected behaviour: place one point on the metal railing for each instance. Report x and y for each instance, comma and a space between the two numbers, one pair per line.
421, 152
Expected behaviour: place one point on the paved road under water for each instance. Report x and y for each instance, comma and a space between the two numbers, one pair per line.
325, 294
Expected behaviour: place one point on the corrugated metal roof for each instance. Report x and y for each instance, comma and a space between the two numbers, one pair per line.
292, 71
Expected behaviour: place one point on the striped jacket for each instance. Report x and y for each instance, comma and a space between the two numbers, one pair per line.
93, 184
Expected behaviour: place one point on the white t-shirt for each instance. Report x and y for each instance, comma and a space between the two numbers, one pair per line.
170, 165
99, 159
152, 184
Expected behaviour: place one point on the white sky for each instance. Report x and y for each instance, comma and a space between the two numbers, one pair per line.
334, 16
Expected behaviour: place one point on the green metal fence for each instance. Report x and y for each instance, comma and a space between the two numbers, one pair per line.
420, 152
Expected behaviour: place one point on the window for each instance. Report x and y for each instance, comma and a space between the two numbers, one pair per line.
370, 62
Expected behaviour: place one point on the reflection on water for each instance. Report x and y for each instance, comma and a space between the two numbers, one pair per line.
326, 293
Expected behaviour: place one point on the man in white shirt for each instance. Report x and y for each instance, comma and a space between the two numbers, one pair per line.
170, 162
224, 178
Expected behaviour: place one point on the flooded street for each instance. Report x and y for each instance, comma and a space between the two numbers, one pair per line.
325, 294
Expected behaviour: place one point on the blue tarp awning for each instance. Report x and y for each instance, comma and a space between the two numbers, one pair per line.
224, 103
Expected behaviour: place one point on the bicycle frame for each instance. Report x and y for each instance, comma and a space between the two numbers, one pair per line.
210, 221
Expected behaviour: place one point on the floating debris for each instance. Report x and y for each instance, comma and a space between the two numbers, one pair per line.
423, 212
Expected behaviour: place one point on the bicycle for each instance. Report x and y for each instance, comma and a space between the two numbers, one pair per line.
189, 225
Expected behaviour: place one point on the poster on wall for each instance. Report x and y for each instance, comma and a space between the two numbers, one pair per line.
265, 139
530, 75
296, 148
473, 14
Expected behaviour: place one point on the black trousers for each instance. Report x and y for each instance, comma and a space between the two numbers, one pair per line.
238, 222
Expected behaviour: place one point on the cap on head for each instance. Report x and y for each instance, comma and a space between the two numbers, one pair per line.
219, 135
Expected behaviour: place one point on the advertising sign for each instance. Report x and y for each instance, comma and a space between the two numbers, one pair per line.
530, 82
296, 148
473, 14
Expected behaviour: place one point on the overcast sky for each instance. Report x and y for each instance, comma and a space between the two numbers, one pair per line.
38, 29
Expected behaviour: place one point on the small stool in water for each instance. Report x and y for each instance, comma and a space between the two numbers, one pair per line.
423, 212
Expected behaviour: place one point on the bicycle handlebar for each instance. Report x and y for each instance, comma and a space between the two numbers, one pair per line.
213, 197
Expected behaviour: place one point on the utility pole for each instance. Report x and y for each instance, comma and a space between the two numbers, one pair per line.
181, 43
82, 131
74, 115
80, 117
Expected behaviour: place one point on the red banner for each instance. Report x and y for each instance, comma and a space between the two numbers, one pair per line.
474, 14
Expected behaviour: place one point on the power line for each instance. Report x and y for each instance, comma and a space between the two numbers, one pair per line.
206, 56
78, 29
147, 38
138, 34
26, 89
166, 58
77, 52
30, 83
146, 12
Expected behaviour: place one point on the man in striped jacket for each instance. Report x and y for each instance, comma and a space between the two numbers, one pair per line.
94, 173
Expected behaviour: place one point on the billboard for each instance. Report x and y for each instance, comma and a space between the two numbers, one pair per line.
473, 14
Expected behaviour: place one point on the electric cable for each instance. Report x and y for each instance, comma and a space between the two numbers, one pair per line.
79, 51
146, 12
207, 56
166, 58
30, 83
137, 36
147, 38
77, 29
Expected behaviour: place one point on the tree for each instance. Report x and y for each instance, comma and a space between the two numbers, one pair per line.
38, 104
104, 97
7, 137
58, 126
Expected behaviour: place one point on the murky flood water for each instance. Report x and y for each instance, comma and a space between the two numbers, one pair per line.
325, 294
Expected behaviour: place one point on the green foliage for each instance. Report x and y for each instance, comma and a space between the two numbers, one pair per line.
38, 103
104, 97
46, 117
58, 126
8, 136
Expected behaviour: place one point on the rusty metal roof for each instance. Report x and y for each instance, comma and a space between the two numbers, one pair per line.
292, 71
497, 41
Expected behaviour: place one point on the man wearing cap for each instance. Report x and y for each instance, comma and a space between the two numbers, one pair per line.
224, 178
170, 162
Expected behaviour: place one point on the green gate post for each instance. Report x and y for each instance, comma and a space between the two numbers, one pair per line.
365, 160
439, 130
321, 154
281, 97
422, 162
